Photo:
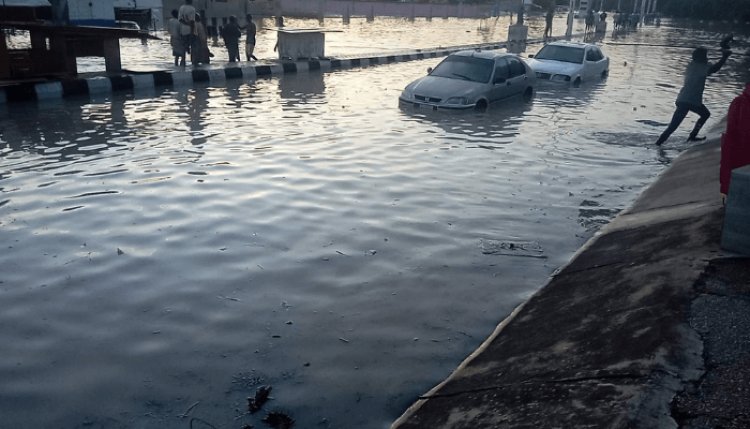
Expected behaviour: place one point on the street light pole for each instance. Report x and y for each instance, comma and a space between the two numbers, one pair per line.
569, 31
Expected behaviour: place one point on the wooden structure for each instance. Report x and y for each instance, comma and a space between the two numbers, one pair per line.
54, 49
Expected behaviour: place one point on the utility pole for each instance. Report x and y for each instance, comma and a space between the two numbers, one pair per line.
643, 12
569, 31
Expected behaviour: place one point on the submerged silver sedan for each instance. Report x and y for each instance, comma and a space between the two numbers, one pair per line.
471, 79
569, 62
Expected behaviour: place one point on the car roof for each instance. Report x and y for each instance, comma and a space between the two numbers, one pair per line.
477, 53
571, 44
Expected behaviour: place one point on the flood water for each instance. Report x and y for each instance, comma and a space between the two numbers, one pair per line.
166, 253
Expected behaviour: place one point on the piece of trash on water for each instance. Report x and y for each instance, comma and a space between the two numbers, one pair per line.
278, 420
261, 397
120, 252
530, 249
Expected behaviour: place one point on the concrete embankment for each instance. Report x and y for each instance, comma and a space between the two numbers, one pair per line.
627, 334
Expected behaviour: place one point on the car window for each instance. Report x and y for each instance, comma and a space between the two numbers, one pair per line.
464, 68
502, 70
594, 54
516, 68
568, 54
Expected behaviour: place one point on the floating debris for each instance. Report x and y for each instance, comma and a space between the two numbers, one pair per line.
261, 397
189, 409
278, 420
530, 249
343, 339
120, 252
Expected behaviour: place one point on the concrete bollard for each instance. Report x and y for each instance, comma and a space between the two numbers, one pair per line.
517, 35
735, 235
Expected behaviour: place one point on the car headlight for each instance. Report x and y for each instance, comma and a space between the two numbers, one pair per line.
457, 100
561, 78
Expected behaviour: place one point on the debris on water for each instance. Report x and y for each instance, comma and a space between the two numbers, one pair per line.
278, 420
651, 123
120, 252
229, 298
285, 305
289, 322
261, 397
343, 339
530, 249
372, 251
341, 253
189, 409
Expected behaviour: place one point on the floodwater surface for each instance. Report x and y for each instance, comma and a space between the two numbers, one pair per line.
164, 254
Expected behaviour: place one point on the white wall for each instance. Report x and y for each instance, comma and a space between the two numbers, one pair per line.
99, 12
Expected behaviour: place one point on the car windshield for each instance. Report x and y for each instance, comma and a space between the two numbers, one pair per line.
568, 54
465, 68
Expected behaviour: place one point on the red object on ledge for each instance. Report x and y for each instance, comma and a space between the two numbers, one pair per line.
735, 142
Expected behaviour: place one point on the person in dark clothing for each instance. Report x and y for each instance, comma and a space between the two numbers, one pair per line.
548, 21
690, 98
232, 34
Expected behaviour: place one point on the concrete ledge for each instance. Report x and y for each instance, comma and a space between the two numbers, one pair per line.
608, 341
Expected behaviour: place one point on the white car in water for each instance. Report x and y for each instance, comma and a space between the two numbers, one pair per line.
571, 62
471, 79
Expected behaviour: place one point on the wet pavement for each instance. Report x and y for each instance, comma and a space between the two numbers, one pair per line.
648, 326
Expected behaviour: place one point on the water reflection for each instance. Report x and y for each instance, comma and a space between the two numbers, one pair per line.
497, 126
302, 88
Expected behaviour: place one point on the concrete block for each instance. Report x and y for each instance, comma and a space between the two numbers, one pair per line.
99, 85
249, 73
142, 82
735, 235
517, 36
48, 90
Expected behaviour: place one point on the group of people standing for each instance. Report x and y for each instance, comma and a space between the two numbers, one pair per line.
188, 35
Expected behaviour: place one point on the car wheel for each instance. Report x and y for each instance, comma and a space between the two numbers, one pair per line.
481, 106
528, 94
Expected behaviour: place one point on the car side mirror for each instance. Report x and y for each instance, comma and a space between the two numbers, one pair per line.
531, 55
429, 70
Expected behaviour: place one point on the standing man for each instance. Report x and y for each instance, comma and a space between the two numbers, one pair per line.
250, 41
690, 98
186, 16
175, 39
231, 34
548, 20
